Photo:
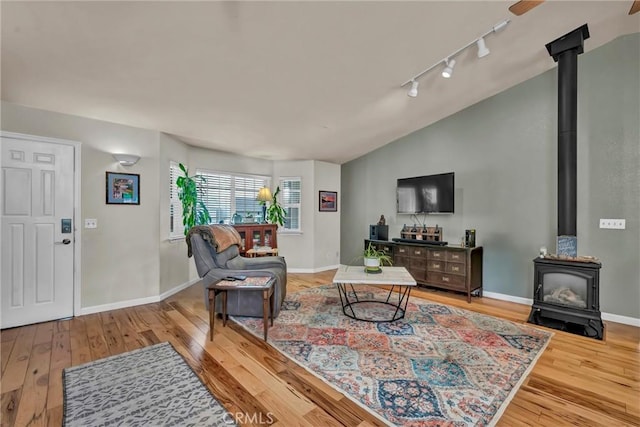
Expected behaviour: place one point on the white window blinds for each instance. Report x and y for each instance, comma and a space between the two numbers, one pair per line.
291, 196
226, 194
175, 207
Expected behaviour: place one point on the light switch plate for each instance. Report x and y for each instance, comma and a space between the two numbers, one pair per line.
90, 223
617, 224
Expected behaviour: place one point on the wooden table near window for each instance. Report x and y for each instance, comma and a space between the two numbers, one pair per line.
261, 251
260, 283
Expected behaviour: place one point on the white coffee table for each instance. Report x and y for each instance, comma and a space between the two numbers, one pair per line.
349, 275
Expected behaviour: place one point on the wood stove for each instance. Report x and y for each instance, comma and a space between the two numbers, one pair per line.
566, 296
566, 292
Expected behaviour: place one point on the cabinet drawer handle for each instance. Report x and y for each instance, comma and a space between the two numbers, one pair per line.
401, 250
455, 256
455, 269
445, 279
436, 255
417, 252
436, 265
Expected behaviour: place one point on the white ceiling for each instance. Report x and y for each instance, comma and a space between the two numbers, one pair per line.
279, 80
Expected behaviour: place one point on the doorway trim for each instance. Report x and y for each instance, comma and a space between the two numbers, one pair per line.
77, 211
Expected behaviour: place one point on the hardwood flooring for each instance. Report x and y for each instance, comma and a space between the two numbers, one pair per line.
577, 381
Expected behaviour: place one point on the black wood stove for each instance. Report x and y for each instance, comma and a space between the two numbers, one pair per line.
566, 296
566, 293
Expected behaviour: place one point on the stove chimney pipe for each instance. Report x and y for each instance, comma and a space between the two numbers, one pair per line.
565, 51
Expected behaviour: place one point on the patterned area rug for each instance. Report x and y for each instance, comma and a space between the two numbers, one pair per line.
152, 386
439, 365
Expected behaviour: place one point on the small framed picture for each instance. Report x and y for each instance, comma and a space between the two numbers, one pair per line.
328, 201
123, 188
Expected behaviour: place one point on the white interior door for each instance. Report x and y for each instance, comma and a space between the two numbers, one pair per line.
37, 193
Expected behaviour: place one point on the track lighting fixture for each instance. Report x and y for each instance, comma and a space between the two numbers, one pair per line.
449, 60
483, 50
448, 70
413, 92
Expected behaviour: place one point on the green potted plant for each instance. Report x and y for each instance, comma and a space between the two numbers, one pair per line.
194, 211
375, 258
275, 212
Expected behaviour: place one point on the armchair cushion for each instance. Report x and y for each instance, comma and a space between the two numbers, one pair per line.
220, 236
214, 265
229, 259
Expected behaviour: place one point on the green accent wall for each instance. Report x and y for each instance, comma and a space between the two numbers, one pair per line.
503, 152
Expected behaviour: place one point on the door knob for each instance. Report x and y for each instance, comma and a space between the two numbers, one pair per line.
64, 242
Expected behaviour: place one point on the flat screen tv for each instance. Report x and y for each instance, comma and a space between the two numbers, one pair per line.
426, 194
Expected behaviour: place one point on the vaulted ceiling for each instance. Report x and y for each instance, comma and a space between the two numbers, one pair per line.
279, 80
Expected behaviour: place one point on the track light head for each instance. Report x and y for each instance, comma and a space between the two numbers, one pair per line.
448, 70
500, 26
413, 92
483, 50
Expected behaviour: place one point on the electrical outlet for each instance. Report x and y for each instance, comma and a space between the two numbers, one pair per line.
90, 223
617, 224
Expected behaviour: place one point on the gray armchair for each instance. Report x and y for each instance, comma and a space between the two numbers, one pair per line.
215, 261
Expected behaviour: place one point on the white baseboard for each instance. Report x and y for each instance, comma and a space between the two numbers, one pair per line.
626, 320
116, 305
505, 297
621, 319
136, 301
312, 270
178, 288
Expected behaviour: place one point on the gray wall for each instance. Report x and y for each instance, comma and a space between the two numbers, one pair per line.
298, 247
129, 257
316, 247
175, 266
503, 151
326, 226
119, 258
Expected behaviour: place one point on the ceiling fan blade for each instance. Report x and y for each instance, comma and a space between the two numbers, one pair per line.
634, 7
523, 6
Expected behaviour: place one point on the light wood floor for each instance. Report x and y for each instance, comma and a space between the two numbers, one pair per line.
577, 381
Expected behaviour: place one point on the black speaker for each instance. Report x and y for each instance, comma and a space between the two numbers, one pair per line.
378, 232
470, 238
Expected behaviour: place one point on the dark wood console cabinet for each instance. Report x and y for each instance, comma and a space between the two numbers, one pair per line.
257, 235
454, 268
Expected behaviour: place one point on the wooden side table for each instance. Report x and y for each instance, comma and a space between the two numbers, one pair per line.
263, 283
261, 251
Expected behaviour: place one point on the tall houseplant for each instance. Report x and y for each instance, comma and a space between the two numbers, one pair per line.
194, 211
275, 212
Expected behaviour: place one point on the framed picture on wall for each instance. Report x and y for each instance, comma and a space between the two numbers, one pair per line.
123, 188
328, 201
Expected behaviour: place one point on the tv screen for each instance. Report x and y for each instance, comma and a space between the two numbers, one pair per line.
426, 194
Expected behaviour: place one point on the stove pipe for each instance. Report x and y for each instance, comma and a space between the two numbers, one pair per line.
565, 51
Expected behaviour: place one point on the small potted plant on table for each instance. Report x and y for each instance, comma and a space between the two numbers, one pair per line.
374, 259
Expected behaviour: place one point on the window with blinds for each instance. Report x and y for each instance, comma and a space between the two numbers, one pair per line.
291, 196
226, 194
175, 207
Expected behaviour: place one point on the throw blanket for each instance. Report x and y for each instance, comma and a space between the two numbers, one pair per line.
220, 236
